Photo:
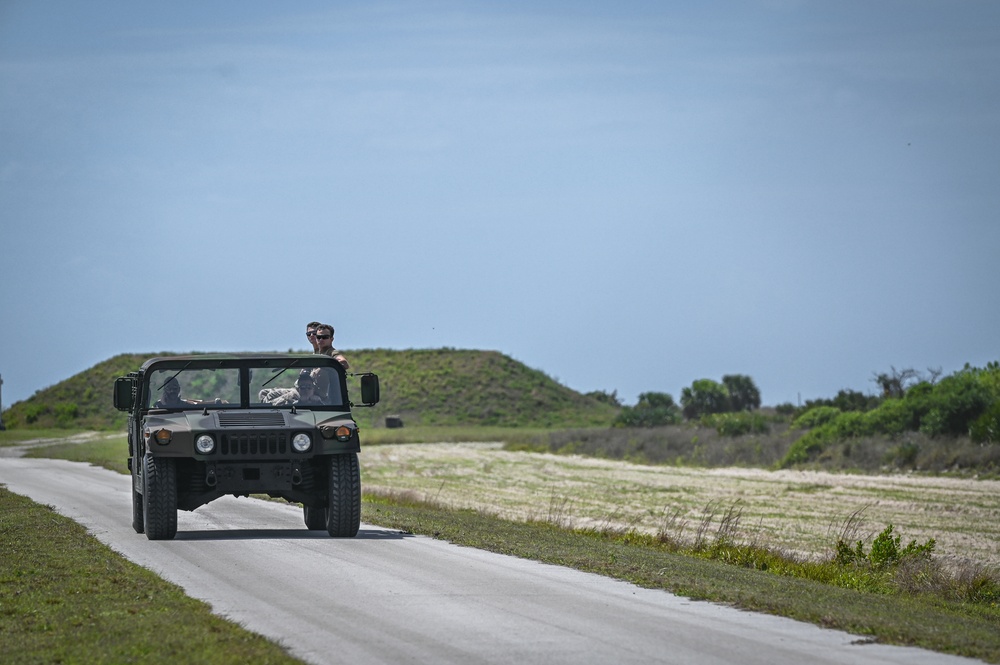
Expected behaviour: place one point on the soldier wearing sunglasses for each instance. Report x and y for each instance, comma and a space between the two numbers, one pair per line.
324, 343
324, 340
311, 334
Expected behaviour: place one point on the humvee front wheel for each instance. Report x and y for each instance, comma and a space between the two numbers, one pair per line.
159, 497
343, 514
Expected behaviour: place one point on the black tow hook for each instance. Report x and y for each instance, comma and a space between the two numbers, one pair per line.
210, 476
296, 475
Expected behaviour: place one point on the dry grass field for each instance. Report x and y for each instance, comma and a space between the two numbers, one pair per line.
802, 512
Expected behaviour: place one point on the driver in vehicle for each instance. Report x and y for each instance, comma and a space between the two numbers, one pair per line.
171, 397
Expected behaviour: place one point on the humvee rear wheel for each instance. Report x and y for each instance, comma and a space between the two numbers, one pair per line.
315, 518
137, 522
159, 498
343, 516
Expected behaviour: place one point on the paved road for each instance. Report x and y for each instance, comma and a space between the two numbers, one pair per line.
385, 597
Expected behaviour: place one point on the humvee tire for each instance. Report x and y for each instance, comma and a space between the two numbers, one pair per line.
315, 518
137, 521
159, 500
343, 514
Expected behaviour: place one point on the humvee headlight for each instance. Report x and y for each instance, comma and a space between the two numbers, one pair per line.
163, 436
204, 444
343, 433
301, 442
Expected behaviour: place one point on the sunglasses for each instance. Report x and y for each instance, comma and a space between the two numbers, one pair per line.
310, 333
323, 336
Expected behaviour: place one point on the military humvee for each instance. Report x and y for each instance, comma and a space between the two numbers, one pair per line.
205, 426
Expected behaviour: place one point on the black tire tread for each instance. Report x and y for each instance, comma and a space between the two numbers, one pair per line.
159, 499
137, 517
315, 518
343, 515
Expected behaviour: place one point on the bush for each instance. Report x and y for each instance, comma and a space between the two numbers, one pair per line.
986, 428
703, 397
885, 551
816, 417
955, 404
893, 416
737, 424
652, 410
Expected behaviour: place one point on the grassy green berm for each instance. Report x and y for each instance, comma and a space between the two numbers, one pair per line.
422, 387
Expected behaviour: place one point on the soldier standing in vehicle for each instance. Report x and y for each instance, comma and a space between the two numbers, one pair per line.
324, 339
311, 334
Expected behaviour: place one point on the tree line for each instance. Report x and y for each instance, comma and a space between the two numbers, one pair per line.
966, 403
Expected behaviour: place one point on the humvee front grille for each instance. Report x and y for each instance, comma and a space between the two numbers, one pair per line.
264, 419
254, 444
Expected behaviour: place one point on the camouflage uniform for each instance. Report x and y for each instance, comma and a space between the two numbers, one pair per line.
322, 375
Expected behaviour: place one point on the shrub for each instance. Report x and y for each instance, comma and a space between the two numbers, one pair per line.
704, 396
743, 392
885, 551
652, 410
785, 409
956, 402
986, 428
816, 417
893, 416
737, 424
851, 424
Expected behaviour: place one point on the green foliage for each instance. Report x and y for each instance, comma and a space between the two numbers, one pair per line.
785, 409
967, 403
846, 400
67, 598
894, 416
955, 403
816, 417
743, 392
704, 396
885, 551
81, 401
986, 428
652, 410
737, 424
467, 387
605, 397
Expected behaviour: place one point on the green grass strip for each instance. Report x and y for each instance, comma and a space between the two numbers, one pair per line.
67, 598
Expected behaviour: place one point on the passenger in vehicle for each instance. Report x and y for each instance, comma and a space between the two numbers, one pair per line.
311, 334
324, 343
304, 393
306, 387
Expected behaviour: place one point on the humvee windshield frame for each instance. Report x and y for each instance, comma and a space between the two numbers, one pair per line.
242, 383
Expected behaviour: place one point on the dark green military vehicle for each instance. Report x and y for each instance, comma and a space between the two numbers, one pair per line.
205, 426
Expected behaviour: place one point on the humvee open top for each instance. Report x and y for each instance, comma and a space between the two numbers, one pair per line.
205, 426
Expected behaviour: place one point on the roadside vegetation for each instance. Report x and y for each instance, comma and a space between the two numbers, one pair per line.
67, 598
880, 585
883, 587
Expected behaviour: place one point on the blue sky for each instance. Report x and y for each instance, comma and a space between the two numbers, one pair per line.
627, 196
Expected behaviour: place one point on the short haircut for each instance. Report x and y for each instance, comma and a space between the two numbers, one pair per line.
313, 324
325, 326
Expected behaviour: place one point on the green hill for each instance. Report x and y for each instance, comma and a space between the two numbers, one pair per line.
423, 387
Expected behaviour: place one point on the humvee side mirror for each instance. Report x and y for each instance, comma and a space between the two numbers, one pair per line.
369, 389
124, 393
